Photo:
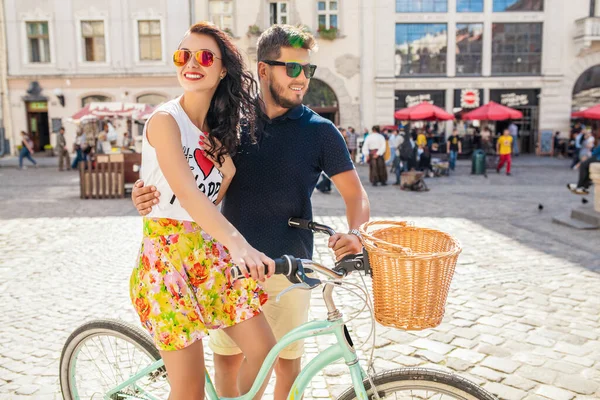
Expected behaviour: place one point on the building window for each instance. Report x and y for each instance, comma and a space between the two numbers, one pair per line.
421, 49
327, 12
469, 5
517, 49
469, 45
518, 5
421, 6
221, 14
150, 40
95, 98
92, 33
278, 12
39, 42
152, 99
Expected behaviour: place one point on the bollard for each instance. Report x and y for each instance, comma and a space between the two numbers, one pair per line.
595, 176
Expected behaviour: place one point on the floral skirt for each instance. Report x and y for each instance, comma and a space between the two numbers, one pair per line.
181, 286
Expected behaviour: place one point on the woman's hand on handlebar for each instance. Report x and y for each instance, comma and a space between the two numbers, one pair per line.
252, 262
343, 244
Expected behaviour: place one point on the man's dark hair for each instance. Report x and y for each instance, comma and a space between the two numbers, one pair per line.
376, 128
277, 36
62, 128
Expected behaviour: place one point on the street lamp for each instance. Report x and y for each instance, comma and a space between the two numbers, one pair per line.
60, 96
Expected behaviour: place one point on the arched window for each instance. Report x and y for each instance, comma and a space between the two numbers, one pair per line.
151, 98
94, 98
320, 94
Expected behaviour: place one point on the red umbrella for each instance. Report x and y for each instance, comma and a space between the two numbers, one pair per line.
589, 113
423, 112
493, 111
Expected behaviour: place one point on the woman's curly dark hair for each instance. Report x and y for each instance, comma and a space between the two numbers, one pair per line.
233, 106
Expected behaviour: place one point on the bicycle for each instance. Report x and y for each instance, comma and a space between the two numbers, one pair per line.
146, 378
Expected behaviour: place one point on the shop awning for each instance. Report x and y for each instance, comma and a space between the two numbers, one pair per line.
99, 110
493, 111
423, 112
588, 113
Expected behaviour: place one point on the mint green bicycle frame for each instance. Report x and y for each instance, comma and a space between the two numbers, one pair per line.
337, 351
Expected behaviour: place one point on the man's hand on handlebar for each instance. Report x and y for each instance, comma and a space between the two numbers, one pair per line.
344, 244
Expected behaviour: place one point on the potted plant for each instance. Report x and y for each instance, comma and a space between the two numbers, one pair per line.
49, 150
254, 30
229, 32
328, 34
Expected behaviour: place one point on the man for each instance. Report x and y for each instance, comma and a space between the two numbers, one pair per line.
453, 148
64, 160
504, 149
514, 133
374, 149
393, 142
351, 141
274, 181
584, 183
578, 144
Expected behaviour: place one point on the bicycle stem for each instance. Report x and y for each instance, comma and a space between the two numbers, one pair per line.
333, 314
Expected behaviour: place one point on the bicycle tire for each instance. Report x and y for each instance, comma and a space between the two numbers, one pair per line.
91, 328
420, 379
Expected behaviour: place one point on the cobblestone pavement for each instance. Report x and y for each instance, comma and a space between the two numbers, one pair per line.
523, 315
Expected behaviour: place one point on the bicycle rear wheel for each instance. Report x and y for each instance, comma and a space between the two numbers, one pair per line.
99, 355
420, 383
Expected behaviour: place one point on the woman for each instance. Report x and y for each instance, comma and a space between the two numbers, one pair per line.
182, 284
26, 150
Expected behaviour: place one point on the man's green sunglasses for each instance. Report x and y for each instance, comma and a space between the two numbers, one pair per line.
293, 69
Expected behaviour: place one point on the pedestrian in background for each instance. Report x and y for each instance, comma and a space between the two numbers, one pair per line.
365, 136
26, 150
583, 184
578, 145
64, 160
374, 149
453, 148
80, 143
421, 139
127, 143
398, 164
514, 133
351, 142
504, 149
393, 142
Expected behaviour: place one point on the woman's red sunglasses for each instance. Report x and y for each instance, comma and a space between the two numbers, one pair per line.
204, 57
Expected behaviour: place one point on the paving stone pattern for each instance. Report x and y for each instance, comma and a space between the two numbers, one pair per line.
522, 319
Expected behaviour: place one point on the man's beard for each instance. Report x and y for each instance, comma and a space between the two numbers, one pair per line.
279, 99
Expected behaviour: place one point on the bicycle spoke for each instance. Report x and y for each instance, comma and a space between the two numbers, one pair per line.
124, 357
104, 376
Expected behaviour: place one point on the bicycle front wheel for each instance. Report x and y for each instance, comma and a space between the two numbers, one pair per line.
100, 355
420, 383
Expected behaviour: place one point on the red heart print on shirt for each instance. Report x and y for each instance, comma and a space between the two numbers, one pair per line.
205, 165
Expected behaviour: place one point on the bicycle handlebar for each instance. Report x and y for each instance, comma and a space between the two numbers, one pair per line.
295, 269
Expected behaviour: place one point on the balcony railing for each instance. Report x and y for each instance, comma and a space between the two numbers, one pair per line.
587, 30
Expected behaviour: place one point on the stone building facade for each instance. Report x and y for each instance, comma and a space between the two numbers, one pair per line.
64, 53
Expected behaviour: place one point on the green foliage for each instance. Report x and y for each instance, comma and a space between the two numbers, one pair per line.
328, 34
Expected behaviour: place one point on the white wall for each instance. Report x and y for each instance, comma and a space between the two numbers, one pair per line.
331, 57
120, 23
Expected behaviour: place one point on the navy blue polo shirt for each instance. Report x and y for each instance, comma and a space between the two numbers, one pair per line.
276, 176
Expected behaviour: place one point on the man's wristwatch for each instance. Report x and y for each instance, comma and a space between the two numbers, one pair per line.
355, 232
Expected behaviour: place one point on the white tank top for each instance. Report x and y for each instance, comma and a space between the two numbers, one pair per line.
208, 177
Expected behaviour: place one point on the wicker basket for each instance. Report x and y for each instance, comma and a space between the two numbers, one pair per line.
412, 269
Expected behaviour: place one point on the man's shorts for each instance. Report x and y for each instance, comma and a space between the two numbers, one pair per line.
289, 313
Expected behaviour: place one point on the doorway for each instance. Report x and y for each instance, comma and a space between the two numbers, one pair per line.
37, 124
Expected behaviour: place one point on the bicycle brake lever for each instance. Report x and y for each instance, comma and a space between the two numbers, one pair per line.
300, 285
